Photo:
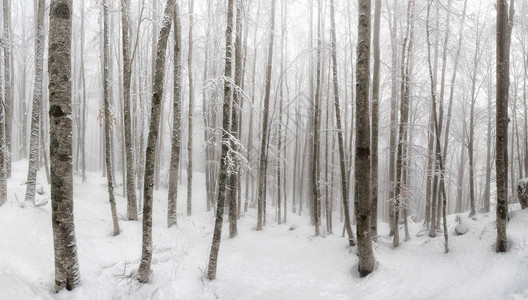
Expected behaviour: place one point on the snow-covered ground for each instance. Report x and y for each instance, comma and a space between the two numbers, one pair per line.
276, 263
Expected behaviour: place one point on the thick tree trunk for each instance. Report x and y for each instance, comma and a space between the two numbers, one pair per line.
362, 164
37, 99
59, 67
147, 247
261, 202
176, 126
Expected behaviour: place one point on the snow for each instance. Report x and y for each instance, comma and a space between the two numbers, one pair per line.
277, 263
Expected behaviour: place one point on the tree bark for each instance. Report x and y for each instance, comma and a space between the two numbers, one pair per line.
59, 68
191, 105
37, 99
501, 152
362, 164
261, 202
176, 126
8, 84
129, 155
147, 247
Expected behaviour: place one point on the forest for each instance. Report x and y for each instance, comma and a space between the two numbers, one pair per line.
263, 149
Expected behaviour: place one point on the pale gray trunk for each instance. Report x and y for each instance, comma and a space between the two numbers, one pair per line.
191, 104
8, 84
176, 126
129, 147
157, 95
261, 202
59, 67
37, 99
108, 123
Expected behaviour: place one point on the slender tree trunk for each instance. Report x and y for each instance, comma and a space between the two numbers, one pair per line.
504, 20
176, 126
375, 120
340, 138
127, 74
362, 164
393, 117
235, 112
223, 176
8, 84
191, 105
147, 247
37, 99
59, 67
265, 136
3, 147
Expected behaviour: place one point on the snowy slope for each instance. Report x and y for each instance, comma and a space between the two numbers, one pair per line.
273, 264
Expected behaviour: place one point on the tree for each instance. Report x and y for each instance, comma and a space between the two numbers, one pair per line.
129, 147
59, 68
8, 84
191, 104
235, 135
375, 120
261, 202
223, 176
340, 139
362, 164
37, 99
108, 119
504, 23
157, 95
176, 126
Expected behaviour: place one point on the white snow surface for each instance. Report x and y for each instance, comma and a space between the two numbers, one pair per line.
275, 263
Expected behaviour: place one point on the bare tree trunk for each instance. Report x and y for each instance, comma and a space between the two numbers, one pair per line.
235, 111
374, 122
504, 23
340, 138
3, 147
37, 99
8, 84
265, 135
108, 120
439, 158
59, 67
362, 164
177, 126
393, 117
223, 176
127, 74
146, 248
191, 105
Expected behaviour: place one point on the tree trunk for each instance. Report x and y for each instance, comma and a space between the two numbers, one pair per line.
503, 30
235, 135
362, 164
191, 105
265, 136
59, 67
176, 126
109, 121
375, 128
223, 176
157, 95
8, 84
37, 99
340, 138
